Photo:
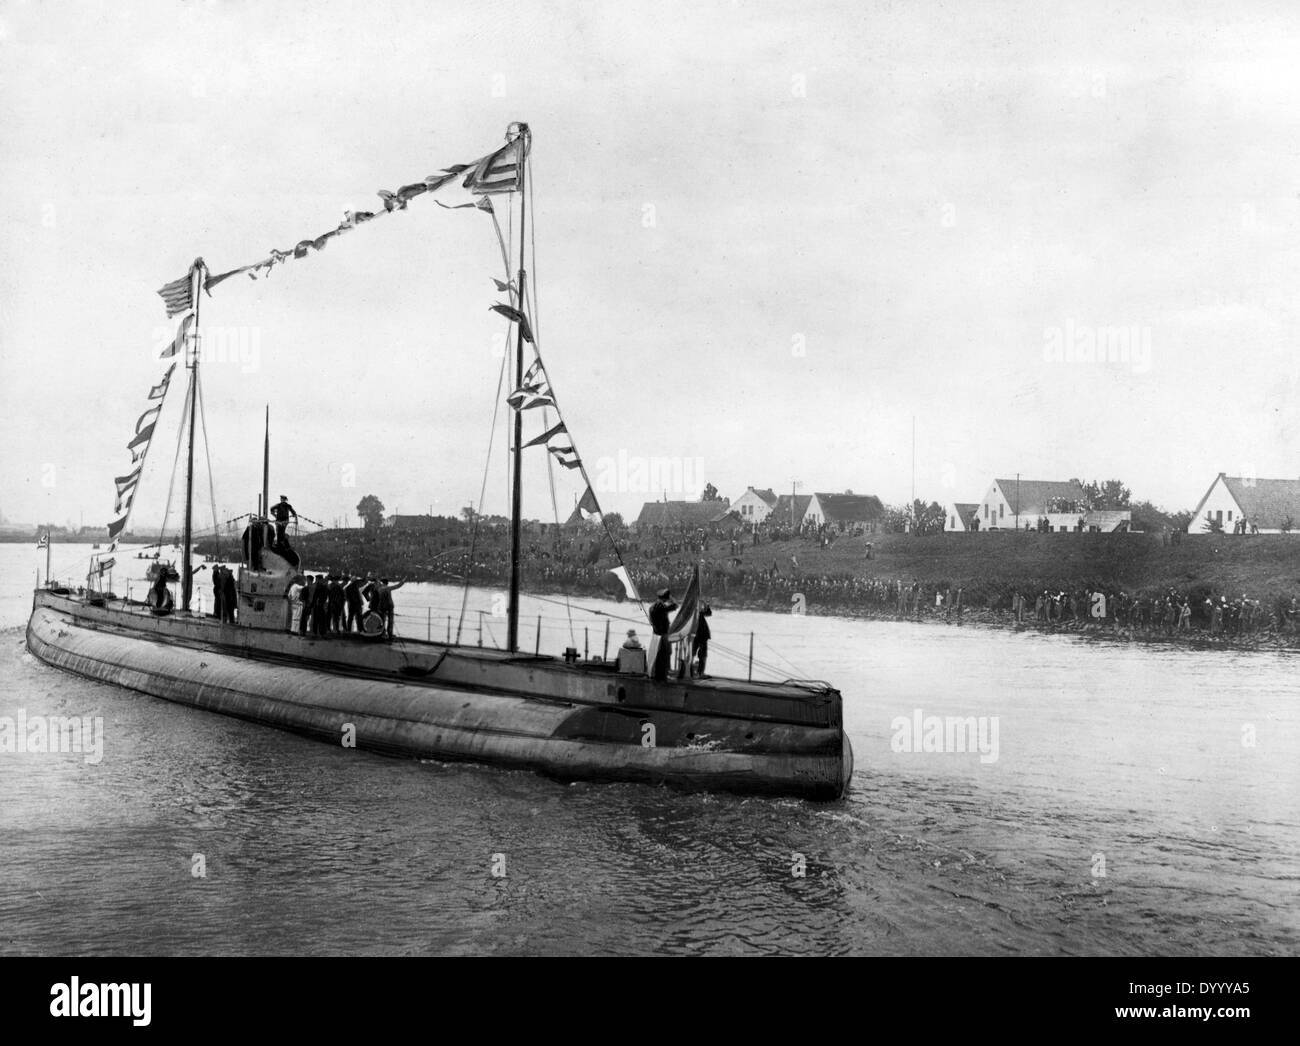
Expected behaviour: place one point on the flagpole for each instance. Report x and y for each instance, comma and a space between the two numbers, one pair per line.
193, 363
49, 542
517, 488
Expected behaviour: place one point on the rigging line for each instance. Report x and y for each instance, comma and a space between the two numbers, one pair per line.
555, 509
532, 234
796, 668
482, 493
171, 486
496, 407
207, 453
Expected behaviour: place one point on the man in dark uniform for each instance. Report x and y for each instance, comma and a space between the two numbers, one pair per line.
320, 607
282, 512
659, 622
307, 597
702, 636
381, 600
229, 595
336, 604
218, 593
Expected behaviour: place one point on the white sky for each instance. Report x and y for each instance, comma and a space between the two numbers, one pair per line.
917, 194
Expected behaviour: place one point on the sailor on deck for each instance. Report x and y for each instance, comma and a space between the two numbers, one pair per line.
659, 622
381, 601
702, 636
282, 512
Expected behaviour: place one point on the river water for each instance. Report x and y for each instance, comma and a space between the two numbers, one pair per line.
1137, 801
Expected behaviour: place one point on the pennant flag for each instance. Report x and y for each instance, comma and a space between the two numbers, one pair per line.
139, 447
160, 390
623, 576
105, 565
546, 436
526, 397
566, 456
178, 296
44, 540
688, 614
177, 293
515, 316
535, 390
588, 505
499, 172
177, 341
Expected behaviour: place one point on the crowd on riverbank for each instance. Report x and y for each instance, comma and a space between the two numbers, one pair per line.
770, 576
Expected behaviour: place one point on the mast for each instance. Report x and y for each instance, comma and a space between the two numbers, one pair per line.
517, 488
49, 541
192, 362
266, 467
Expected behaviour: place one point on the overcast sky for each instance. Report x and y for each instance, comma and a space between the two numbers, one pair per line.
768, 236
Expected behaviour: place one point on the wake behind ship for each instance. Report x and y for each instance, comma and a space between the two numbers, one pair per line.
569, 717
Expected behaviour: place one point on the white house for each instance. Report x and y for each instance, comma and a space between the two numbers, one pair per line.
846, 511
754, 506
958, 516
1011, 503
1271, 505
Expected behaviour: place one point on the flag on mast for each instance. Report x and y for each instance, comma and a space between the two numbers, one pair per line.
623, 576
498, 172
44, 540
688, 615
178, 296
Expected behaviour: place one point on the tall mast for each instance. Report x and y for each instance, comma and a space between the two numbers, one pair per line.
196, 271
266, 467
517, 489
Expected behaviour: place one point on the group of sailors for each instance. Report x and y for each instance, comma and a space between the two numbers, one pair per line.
328, 604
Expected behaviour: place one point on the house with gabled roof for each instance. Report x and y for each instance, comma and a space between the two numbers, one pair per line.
676, 514
846, 511
755, 505
789, 510
959, 517
1270, 505
1012, 502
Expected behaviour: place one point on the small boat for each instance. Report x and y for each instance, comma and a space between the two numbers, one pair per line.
571, 717
164, 567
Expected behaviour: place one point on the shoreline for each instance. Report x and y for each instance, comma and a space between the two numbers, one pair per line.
984, 618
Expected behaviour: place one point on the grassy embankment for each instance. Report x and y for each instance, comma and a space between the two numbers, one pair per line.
990, 566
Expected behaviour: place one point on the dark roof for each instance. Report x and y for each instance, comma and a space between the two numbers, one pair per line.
965, 511
1266, 502
729, 518
671, 513
1034, 494
850, 508
781, 511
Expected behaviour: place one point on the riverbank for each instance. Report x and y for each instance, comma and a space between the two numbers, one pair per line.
1253, 580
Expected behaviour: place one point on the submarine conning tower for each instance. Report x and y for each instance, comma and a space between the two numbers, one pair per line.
269, 568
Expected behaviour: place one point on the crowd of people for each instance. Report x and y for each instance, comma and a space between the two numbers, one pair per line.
736, 566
